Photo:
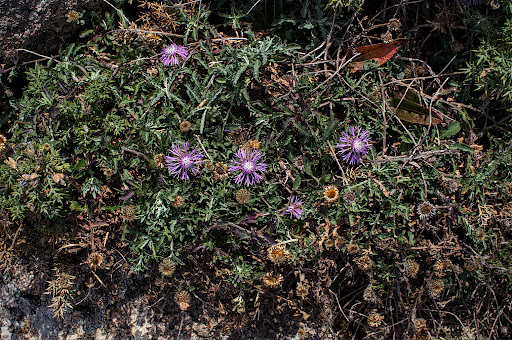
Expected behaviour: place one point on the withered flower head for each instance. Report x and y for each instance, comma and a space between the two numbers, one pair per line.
167, 267
159, 160
3, 145
252, 144
420, 324
472, 264
177, 201
353, 248
182, 298
272, 279
479, 235
299, 162
349, 197
73, 16
426, 210
386, 37
185, 126
128, 213
95, 260
221, 168
331, 193
440, 266
394, 24
374, 319
364, 262
107, 171
452, 185
302, 290
209, 166
369, 295
339, 242
435, 288
243, 196
278, 254
411, 268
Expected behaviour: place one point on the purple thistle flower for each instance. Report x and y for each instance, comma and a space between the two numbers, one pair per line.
182, 160
247, 163
294, 207
171, 54
355, 145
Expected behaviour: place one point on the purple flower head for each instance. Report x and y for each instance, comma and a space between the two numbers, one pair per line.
294, 207
181, 160
171, 54
247, 162
354, 145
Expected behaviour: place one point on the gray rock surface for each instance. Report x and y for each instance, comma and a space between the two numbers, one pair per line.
40, 26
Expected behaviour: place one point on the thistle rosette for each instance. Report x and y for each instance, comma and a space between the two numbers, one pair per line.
247, 161
353, 146
181, 161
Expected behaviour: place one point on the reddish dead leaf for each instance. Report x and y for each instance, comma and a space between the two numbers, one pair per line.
377, 52
412, 112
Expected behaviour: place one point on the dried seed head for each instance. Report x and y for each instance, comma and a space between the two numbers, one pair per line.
472, 264
302, 290
329, 243
243, 196
278, 254
107, 171
128, 213
369, 295
411, 268
394, 24
238, 137
456, 46
159, 160
479, 235
451, 185
374, 319
73, 16
349, 197
409, 71
185, 126
177, 201
46, 146
96, 260
299, 162
272, 279
182, 298
3, 145
364, 262
436, 288
167, 267
440, 266
221, 168
386, 37
420, 324
425, 210
209, 166
331, 193
339, 242
252, 144
353, 248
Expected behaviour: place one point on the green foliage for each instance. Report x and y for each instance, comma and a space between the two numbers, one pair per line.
93, 126
492, 64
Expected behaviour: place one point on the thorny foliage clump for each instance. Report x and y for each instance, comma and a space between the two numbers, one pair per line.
414, 240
